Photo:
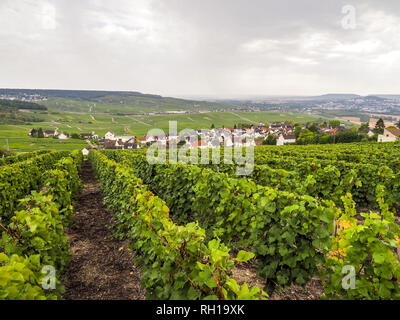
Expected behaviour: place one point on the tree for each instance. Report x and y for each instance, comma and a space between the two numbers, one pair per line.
364, 128
234, 126
34, 133
354, 129
212, 126
307, 137
348, 136
313, 128
75, 136
398, 124
334, 123
364, 137
380, 126
40, 133
270, 140
297, 131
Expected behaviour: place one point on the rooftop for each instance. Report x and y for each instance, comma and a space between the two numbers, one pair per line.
394, 131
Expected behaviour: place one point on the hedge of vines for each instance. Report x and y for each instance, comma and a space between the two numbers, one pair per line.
19, 179
34, 239
285, 230
21, 157
370, 244
177, 262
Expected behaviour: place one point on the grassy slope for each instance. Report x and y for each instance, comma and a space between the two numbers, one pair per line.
17, 139
131, 105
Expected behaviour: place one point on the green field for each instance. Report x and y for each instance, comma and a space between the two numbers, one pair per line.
130, 105
18, 139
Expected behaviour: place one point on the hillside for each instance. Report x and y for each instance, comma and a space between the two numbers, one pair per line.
18, 112
112, 102
16, 105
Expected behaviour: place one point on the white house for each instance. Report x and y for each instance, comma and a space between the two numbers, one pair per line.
120, 140
389, 135
156, 138
62, 136
109, 135
150, 138
283, 139
227, 142
243, 141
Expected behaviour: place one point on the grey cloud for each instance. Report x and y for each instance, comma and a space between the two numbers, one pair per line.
208, 47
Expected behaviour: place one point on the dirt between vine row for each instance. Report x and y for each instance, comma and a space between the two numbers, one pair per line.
245, 273
101, 268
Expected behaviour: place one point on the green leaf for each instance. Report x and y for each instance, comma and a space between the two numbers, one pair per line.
378, 257
244, 256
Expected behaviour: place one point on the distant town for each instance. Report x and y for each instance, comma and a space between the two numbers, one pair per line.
280, 134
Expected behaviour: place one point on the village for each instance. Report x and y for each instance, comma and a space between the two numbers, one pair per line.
203, 138
282, 133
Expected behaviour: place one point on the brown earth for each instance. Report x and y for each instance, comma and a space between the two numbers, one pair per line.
101, 268
245, 273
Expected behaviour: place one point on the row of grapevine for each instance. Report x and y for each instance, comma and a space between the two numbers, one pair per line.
285, 230
293, 237
34, 243
176, 261
21, 157
366, 252
325, 179
360, 179
321, 178
349, 152
18, 179
368, 153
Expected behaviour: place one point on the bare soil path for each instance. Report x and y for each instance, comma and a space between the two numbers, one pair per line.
313, 290
101, 268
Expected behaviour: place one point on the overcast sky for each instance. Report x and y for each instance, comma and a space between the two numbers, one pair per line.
202, 47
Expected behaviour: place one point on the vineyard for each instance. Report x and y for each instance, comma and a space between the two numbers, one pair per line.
302, 212
37, 192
